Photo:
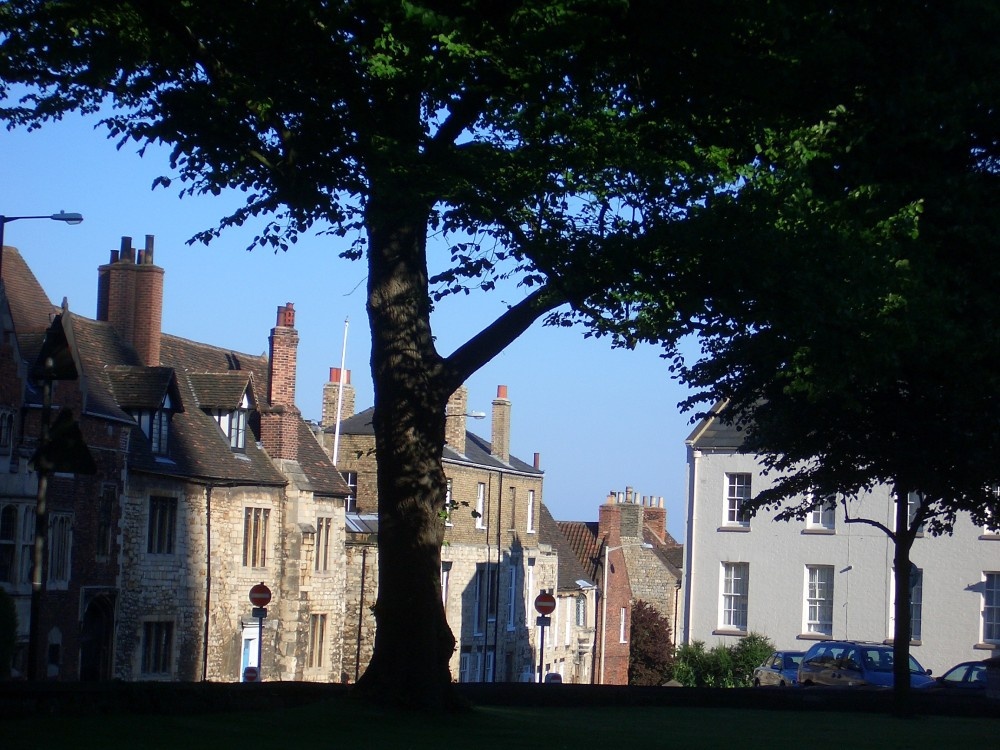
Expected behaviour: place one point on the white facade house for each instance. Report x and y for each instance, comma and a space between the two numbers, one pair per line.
801, 581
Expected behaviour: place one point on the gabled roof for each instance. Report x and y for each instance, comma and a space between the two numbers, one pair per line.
715, 432
222, 391
143, 387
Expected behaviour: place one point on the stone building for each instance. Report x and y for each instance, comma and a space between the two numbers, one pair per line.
495, 560
207, 482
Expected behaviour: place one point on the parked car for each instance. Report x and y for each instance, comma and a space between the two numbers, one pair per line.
967, 676
855, 664
780, 669
553, 677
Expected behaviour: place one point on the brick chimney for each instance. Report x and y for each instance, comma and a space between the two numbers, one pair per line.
454, 419
500, 439
284, 352
654, 516
331, 395
130, 298
280, 422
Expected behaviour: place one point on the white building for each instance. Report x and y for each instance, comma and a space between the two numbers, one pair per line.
801, 581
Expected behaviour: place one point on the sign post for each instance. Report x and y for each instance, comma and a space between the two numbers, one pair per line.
260, 595
545, 605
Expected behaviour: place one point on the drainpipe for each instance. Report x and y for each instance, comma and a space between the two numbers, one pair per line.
496, 593
361, 613
208, 580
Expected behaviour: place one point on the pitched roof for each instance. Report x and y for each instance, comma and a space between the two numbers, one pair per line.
29, 305
477, 450
571, 570
222, 391
584, 544
141, 387
197, 377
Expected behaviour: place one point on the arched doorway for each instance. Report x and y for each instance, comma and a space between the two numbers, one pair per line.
97, 638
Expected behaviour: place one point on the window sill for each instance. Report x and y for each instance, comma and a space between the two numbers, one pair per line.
737, 529
987, 646
890, 641
813, 637
990, 537
730, 631
819, 532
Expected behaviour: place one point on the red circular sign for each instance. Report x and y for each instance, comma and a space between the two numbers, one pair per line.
545, 604
251, 674
260, 595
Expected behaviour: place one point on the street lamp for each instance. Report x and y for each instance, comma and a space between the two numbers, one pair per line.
68, 218
604, 594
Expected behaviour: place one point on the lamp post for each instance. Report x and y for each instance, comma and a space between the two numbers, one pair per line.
68, 218
604, 594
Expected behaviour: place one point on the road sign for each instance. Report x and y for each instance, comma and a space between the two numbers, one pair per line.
260, 595
545, 604
259, 612
543, 621
251, 674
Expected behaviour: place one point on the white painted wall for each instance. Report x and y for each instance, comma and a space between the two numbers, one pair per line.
861, 556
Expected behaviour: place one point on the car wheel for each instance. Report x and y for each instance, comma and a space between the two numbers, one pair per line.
756, 683
781, 684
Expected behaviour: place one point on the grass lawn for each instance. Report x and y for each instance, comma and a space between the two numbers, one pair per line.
343, 723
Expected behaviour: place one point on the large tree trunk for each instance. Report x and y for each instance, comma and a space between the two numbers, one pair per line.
413, 643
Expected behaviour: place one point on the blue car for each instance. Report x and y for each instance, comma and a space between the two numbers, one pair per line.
855, 664
780, 669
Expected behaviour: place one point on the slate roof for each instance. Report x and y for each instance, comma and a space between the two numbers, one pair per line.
142, 387
196, 376
477, 450
222, 391
571, 569
30, 307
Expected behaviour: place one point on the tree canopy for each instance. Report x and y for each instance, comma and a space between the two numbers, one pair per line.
543, 140
601, 152
855, 339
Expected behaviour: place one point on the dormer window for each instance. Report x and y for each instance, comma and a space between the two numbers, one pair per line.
234, 424
155, 425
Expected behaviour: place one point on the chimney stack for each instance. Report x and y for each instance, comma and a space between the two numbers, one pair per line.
500, 442
280, 421
454, 419
331, 397
284, 352
130, 298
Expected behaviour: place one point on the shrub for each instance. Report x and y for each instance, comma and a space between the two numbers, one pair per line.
651, 649
722, 666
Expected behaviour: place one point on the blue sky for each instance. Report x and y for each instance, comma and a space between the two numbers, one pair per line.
601, 419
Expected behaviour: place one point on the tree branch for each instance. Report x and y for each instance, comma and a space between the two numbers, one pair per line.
493, 339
